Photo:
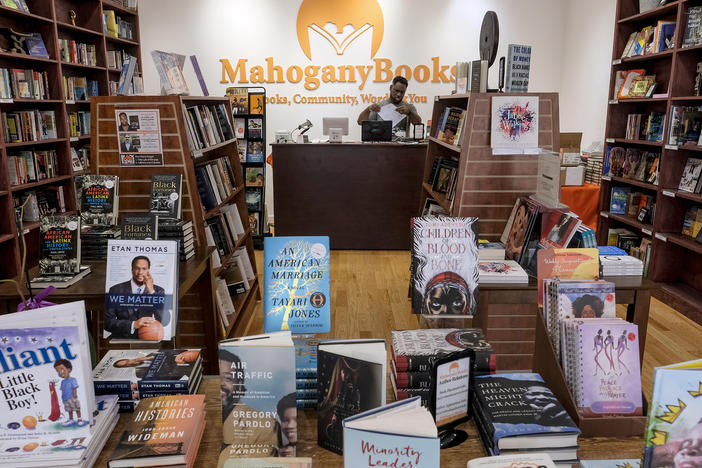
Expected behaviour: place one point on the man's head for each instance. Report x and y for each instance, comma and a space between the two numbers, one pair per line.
123, 119
539, 397
140, 268
231, 380
397, 89
689, 454
63, 368
287, 412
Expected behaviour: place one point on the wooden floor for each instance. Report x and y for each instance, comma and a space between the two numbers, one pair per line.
369, 299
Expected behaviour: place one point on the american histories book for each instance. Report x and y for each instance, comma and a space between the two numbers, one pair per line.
141, 290
99, 200
257, 379
139, 227
59, 237
166, 195
351, 378
398, 434
164, 430
47, 394
296, 284
518, 411
674, 429
444, 266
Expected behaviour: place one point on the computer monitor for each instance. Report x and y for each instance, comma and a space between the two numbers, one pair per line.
376, 130
335, 122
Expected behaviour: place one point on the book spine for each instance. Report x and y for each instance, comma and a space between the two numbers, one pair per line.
305, 383
306, 403
155, 393
485, 362
109, 387
306, 373
156, 385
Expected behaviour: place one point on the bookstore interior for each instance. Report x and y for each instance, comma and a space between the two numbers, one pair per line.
289, 238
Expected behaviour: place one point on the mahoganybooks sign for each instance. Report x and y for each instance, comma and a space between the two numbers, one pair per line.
296, 284
445, 266
141, 290
60, 245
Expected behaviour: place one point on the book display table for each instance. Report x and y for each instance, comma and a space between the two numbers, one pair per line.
456, 457
197, 314
361, 195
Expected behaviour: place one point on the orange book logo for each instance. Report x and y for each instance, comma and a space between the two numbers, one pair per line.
362, 15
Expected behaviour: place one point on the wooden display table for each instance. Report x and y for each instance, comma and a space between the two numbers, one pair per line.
362, 195
456, 457
197, 314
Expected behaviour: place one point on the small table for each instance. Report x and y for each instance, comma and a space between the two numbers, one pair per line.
195, 277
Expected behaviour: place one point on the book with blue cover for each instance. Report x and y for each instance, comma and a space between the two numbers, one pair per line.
399, 434
296, 284
36, 47
619, 202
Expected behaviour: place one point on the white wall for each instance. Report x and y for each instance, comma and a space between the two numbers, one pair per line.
414, 32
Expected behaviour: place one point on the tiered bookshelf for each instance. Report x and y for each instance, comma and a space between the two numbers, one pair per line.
676, 260
52, 19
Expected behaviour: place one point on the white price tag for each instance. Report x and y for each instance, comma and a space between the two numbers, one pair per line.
661, 237
614, 101
74, 138
671, 147
609, 140
70, 101
668, 193
646, 231
607, 178
616, 62
6, 101
604, 214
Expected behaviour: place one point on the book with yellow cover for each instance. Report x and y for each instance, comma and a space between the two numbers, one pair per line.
566, 264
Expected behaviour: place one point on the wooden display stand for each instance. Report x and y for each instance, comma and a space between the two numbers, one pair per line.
135, 188
487, 185
52, 19
676, 260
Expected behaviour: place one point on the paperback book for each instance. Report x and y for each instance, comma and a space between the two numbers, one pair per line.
99, 200
296, 284
166, 193
60, 245
139, 227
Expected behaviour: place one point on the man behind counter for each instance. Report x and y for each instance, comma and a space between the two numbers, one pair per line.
397, 92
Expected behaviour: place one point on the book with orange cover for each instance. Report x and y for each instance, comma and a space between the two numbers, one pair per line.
566, 264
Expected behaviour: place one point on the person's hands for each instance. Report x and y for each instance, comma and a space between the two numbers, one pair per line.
149, 283
403, 109
143, 321
374, 107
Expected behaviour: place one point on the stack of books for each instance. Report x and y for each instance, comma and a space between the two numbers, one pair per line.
306, 370
490, 251
621, 265
414, 351
502, 271
94, 242
135, 374
584, 238
165, 430
182, 231
533, 421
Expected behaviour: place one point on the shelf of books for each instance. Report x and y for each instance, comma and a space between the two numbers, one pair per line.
249, 114
461, 175
57, 60
651, 175
185, 147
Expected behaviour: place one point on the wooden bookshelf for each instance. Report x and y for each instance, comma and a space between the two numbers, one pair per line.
178, 157
51, 19
676, 260
487, 185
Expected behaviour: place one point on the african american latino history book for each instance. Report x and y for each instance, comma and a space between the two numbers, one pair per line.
60, 245
45, 376
141, 290
259, 414
99, 200
445, 266
296, 284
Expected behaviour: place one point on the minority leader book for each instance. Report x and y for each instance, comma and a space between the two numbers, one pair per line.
141, 282
60, 245
445, 266
257, 380
166, 195
296, 285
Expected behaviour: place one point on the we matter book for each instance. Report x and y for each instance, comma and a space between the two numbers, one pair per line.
166, 193
257, 378
59, 236
141, 290
296, 284
350, 380
401, 434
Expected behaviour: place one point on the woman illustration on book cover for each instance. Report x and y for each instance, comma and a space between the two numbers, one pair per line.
609, 350
622, 345
343, 398
599, 346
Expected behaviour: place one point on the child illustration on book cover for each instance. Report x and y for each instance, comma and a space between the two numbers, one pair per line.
69, 392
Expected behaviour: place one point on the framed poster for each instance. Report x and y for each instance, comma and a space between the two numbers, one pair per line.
515, 125
139, 137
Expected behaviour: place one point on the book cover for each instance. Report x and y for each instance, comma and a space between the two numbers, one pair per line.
296, 284
141, 287
139, 227
254, 176
399, 434
306, 356
162, 430
269, 462
255, 129
35, 46
59, 237
619, 200
521, 460
515, 124
566, 264
256, 104
518, 65
444, 266
254, 199
239, 100
259, 413
690, 175
347, 385
99, 200
614, 463
501, 271
165, 198
525, 211
512, 405
558, 228
254, 151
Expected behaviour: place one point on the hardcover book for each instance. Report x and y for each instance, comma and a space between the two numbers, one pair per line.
259, 414
166, 193
399, 434
99, 200
296, 284
521, 225
566, 264
254, 198
444, 266
270, 462
254, 176
619, 201
141, 290
164, 430
350, 379
558, 228
254, 151
239, 100
521, 460
256, 104
60, 245
139, 227
691, 175
306, 357
518, 64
